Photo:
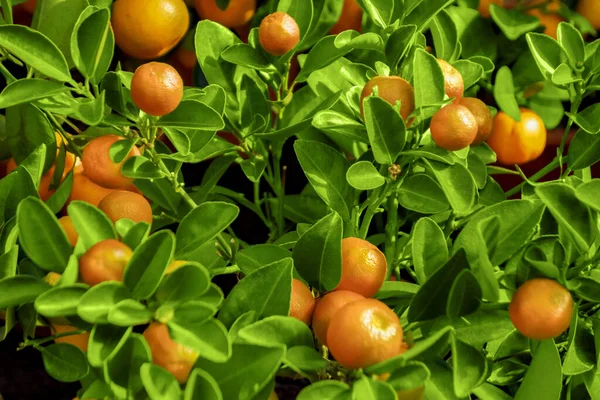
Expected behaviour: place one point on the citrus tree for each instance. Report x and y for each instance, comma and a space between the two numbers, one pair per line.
400, 269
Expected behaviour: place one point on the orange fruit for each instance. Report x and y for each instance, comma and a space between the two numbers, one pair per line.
550, 21
174, 265
104, 261
67, 225
148, 29
237, 13
302, 302
278, 33
364, 267
168, 354
483, 115
391, 89
124, 204
454, 86
553, 5
518, 142
156, 88
328, 306
453, 127
363, 333
590, 9
52, 278
81, 340
541, 309
100, 168
351, 18
86, 190
30, 5
484, 6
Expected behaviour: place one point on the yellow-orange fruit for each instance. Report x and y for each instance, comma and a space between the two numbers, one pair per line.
86, 190
391, 89
328, 306
69, 228
483, 115
364, 267
124, 204
80, 340
278, 33
302, 302
104, 261
100, 168
351, 18
453, 127
156, 88
454, 86
237, 13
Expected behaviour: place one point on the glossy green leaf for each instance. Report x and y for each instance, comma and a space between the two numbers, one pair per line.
469, 368
60, 301
543, 378
95, 305
20, 289
371, 389
429, 248
385, 129
428, 79
504, 93
422, 194
122, 368
513, 23
326, 390
159, 383
29, 89
457, 183
255, 257
64, 362
201, 385
277, 331
91, 224
93, 43
187, 282
547, 53
104, 339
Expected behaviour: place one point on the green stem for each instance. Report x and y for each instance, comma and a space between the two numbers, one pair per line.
36, 343
74, 148
258, 206
537, 176
391, 228
9, 77
280, 192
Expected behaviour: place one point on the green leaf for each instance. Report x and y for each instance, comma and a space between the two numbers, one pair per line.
424, 12
465, 295
213, 173
543, 378
326, 390
254, 292
92, 225
318, 253
136, 235
324, 53
429, 248
279, 331
371, 389
410, 377
192, 114
457, 183
422, 194
571, 40
201, 385
148, 264
139, 167
41, 236
159, 383
64, 362
249, 369
255, 257
575, 217
445, 37
95, 305
122, 368
584, 150
385, 129
60, 301
587, 193
93, 43
581, 354
588, 119
187, 282
364, 176
202, 224
504, 93
305, 358
104, 339
35, 50
398, 43
428, 79
513, 22
29, 89
129, 312
469, 368
547, 53
471, 72
20, 289
326, 169
302, 12
244, 55
380, 11
337, 124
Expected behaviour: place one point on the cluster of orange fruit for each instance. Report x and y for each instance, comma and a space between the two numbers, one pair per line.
467, 121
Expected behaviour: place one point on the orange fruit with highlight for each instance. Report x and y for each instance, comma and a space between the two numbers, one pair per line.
328, 306
67, 224
364, 267
453, 127
148, 29
168, 354
80, 340
590, 9
541, 309
351, 18
483, 115
302, 302
100, 168
391, 89
237, 13
518, 142
364, 333
85, 190
124, 204
104, 261
156, 88
278, 33
454, 86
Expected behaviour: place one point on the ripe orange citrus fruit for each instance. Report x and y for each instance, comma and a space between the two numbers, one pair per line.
518, 142
363, 333
541, 309
328, 306
124, 204
351, 18
391, 89
453, 127
302, 302
364, 267
148, 29
67, 225
85, 190
278, 33
238, 13
104, 261
591, 10
100, 168
156, 88
454, 86
80, 340
172, 356
483, 115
